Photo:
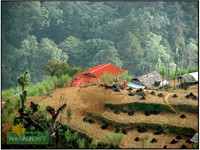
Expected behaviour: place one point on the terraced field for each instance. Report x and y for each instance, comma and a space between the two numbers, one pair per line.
167, 121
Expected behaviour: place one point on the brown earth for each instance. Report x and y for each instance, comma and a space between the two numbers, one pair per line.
91, 99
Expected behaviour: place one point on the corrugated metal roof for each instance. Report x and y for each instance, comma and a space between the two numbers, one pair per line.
191, 77
135, 85
93, 74
99, 70
195, 138
149, 79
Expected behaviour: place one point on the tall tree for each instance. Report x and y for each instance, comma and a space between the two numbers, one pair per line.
74, 49
24, 17
130, 52
108, 55
155, 54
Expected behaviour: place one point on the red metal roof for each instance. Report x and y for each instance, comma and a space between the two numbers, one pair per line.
93, 74
99, 70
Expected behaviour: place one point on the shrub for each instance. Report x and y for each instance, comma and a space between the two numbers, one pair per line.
8, 112
56, 68
9, 93
192, 69
61, 81
186, 108
195, 145
74, 139
181, 130
154, 126
162, 71
104, 145
136, 106
114, 138
81, 143
144, 141
125, 76
69, 115
8, 117
48, 85
107, 78
41, 88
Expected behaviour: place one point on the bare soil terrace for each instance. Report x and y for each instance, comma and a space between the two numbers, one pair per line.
92, 98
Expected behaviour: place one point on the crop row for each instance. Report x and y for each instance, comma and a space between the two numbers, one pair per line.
137, 106
162, 128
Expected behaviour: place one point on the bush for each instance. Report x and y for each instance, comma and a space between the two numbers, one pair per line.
74, 139
48, 85
114, 139
136, 106
8, 112
181, 130
9, 93
125, 76
189, 70
107, 78
40, 88
192, 69
186, 108
104, 145
154, 126
56, 68
162, 71
61, 81
172, 75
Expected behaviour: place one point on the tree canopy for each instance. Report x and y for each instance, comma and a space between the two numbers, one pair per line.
136, 36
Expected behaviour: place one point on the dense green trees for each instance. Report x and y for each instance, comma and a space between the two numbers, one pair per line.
56, 68
137, 36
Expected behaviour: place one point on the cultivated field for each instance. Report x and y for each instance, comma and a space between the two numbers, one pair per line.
89, 102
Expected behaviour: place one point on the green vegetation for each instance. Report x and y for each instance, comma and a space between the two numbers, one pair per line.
195, 145
190, 70
107, 78
136, 36
9, 111
114, 139
61, 136
136, 106
56, 68
125, 76
172, 75
181, 130
42, 88
186, 108
69, 115
48, 85
9, 93
23, 80
163, 128
144, 141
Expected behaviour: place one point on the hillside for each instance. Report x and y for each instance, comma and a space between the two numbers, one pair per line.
91, 100
138, 36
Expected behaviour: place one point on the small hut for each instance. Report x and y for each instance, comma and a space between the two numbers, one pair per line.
188, 79
152, 79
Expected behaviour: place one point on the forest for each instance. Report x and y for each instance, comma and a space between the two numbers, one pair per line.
137, 36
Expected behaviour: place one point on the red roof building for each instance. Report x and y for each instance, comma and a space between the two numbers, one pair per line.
94, 74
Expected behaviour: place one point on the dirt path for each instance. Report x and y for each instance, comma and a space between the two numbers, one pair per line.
163, 143
166, 101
